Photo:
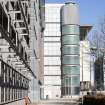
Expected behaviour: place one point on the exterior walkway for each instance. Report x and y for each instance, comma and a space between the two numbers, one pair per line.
57, 102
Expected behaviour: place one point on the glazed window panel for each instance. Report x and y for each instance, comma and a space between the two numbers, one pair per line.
67, 39
71, 69
75, 90
70, 29
8, 76
75, 81
2, 94
67, 81
71, 60
70, 50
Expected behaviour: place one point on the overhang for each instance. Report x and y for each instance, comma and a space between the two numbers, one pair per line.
84, 30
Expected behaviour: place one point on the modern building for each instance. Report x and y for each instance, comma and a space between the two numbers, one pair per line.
52, 52
37, 25
70, 50
85, 65
21, 50
86, 60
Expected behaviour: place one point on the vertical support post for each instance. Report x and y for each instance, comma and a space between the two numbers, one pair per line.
82, 72
90, 71
0, 75
16, 38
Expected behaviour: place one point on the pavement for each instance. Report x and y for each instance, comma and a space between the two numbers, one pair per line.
57, 102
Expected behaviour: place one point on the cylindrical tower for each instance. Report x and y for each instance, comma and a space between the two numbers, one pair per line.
70, 50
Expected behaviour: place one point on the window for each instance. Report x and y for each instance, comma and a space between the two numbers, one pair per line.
68, 39
71, 69
70, 50
3, 19
76, 90
70, 29
75, 81
10, 76
67, 81
71, 60
8, 90
2, 94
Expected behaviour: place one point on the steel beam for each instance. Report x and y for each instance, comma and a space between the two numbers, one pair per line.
20, 28
14, 11
21, 8
23, 34
5, 34
18, 21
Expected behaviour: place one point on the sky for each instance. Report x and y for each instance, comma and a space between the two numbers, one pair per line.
91, 11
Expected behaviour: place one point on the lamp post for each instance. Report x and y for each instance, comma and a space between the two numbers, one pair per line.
82, 74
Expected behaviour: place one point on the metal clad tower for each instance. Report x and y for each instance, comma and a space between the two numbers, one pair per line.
70, 49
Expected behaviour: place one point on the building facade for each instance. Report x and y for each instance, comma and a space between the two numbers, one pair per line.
86, 60
70, 50
85, 65
37, 17
21, 32
52, 52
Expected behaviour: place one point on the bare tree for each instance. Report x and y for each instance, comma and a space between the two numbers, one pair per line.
102, 26
98, 35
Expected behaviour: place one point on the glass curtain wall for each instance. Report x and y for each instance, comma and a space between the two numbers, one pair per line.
70, 51
70, 59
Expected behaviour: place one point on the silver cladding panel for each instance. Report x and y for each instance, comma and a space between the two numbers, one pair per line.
70, 14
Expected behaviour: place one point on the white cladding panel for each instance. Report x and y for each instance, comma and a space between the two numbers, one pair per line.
85, 59
70, 14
